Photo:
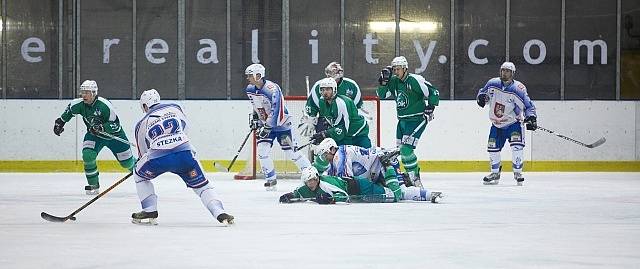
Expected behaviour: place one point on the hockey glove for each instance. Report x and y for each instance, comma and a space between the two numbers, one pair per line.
387, 157
318, 137
264, 132
254, 122
482, 99
96, 129
324, 199
531, 123
428, 112
286, 198
385, 75
307, 125
58, 127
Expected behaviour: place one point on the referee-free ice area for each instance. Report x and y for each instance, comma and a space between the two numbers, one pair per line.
557, 220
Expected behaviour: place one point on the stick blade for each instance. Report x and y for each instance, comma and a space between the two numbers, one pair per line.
53, 218
597, 143
220, 167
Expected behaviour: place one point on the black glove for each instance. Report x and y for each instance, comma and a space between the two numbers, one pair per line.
428, 112
264, 132
58, 127
531, 123
286, 198
96, 129
324, 199
318, 137
482, 99
254, 121
385, 75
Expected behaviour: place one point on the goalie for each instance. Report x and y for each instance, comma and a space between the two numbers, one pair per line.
330, 189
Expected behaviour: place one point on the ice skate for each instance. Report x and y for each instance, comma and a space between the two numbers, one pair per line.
270, 185
92, 189
491, 179
144, 218
436, 196
225, 219
519, 178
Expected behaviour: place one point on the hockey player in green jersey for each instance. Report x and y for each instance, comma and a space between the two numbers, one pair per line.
410, 91
330, 189
100, 117
346, 86
346, 126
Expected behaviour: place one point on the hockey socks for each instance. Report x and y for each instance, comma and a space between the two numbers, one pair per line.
409, 159
90, 167
210, 200
146, 194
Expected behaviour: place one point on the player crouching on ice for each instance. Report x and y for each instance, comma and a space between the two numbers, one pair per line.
163, 146
329, 190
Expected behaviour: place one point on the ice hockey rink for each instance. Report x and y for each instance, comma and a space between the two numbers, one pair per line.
557, 220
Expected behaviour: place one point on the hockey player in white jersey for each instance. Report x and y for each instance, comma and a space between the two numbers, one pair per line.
271, 120
509, 107
163, 146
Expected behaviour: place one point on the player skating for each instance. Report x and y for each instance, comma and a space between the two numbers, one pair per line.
330, 189
271, 120
101, 120
509, 105
163, 146
410, 91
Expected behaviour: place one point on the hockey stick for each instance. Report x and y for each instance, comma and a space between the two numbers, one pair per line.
226, 169
117, 138
592, 145
53, 218
366, 198
303, 146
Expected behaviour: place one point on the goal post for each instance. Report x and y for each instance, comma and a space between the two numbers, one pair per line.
284, 167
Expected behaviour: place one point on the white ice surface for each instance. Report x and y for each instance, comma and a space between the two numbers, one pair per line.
557, 220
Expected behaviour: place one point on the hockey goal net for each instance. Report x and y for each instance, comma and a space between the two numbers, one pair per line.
284, 167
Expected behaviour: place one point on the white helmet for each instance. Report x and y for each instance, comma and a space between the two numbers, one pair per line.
325, 146
329, 83
508, 66
89, 85
308, 173
400, 61
334, 70
149, 98
255, 69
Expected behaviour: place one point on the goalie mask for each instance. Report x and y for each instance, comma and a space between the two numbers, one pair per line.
254, 70
334, 70
329, 83
149, 98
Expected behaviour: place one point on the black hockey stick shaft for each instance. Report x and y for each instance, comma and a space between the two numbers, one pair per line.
593, 145
71, 216
303, 146
239, 150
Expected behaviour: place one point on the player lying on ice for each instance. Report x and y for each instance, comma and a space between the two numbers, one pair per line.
352, 161
330, 189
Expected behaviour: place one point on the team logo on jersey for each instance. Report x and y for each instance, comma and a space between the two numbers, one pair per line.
97, 113
349, 93
193, 174
498, 110
402, 101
